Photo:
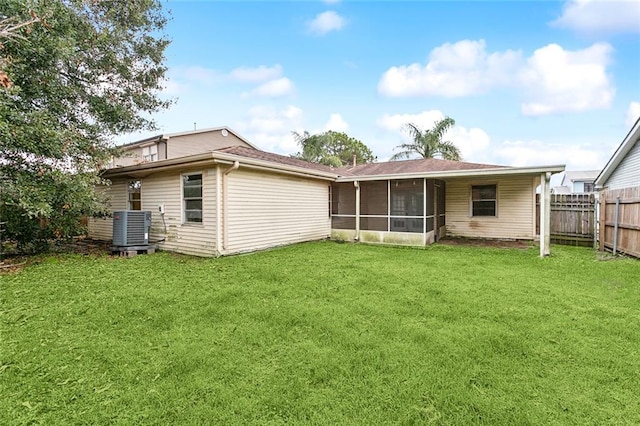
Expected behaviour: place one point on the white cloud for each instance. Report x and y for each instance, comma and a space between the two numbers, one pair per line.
172, 87
458, 69
552, 80
273, 89
256, 75
336, 123
270, 128
326, 22
535, 153
633, 113
199, 74
473, 142
599, 16
397, 122
559, 81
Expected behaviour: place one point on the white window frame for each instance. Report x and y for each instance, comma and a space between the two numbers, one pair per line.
471, 200
184, 200
150, 153
129, 192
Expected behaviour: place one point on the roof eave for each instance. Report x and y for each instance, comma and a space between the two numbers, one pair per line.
214, 157
623, 149
459, 173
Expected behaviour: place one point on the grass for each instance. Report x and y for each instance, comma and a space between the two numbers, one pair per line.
323, 333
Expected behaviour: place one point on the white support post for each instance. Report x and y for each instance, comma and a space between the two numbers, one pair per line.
424, 212
357, 185
545, 214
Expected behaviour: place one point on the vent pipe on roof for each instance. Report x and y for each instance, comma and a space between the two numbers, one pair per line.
194, 125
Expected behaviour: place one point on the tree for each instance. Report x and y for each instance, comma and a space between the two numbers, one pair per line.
429, 143
332, 149
80, 73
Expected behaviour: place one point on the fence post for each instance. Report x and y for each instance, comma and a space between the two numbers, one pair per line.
602, 219
616, 213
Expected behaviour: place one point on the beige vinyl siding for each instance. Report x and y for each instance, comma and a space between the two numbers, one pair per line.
266, 210
102, 228
627, 174
191, 238
129, 158
180, 146
515, 209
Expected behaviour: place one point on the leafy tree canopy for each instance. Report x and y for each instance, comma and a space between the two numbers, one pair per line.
74, 73
428, 143
332, 149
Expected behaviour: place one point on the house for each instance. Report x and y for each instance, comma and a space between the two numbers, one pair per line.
212, 200
623, 168
577, 182
619, 186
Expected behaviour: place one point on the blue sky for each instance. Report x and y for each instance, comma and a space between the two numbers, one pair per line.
528, 83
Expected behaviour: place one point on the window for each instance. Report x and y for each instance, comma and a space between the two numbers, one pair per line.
150, 153
192, 197
483, 200
135, 202
588, 187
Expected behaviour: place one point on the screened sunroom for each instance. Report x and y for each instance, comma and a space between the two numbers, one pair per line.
394, 211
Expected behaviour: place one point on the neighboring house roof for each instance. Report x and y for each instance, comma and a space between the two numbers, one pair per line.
627, 145
579, 176
166, 136
561, 190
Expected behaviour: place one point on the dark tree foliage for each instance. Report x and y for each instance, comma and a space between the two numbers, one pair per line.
332, 149
79, 74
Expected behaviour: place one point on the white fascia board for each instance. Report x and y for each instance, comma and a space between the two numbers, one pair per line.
621, 152
460, 173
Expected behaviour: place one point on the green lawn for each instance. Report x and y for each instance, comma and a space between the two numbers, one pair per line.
324, 333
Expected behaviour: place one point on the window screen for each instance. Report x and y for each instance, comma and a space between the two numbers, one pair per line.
135, 202
484, 200
192, 197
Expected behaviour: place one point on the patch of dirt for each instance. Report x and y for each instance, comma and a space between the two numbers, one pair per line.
84, 246
478, 242
12, 265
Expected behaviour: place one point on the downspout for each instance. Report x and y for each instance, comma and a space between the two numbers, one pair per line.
225, 203
615, 226
218, 210
357, 185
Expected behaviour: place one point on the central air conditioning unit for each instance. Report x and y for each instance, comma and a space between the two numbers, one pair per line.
131, 228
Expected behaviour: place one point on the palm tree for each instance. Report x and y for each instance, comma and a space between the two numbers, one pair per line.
429, 143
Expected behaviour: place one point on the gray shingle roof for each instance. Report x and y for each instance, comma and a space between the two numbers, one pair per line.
370, 169
275, 158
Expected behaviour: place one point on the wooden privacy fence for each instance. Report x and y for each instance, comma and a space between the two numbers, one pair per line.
620, 220
573, 219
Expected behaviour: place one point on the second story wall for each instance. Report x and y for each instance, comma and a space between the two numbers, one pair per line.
180, 146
